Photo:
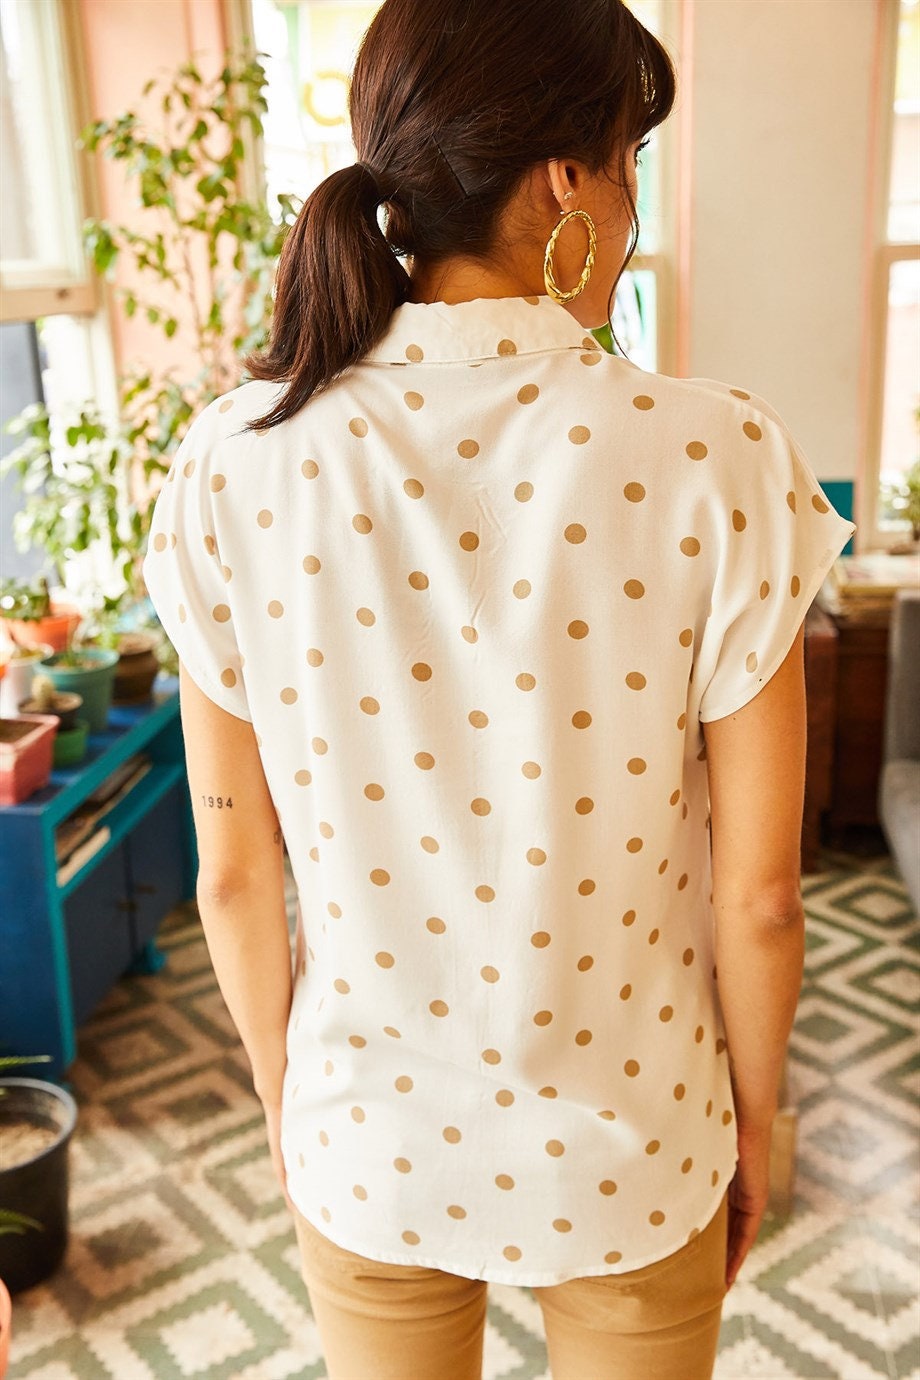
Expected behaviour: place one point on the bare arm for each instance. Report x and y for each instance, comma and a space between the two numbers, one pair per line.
240, 889
756, 764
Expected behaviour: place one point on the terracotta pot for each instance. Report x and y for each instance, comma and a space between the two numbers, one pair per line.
137, 668
55, 629
26, 751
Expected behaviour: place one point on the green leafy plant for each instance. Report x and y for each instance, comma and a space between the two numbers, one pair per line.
10, 1220
75, 490
912, 508
28, 600
901, 499
203, 266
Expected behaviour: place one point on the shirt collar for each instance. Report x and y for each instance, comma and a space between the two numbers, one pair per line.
484, 328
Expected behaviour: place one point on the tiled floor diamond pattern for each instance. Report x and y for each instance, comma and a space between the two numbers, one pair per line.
182, 1263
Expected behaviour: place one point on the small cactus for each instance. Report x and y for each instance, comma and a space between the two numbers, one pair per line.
43, 692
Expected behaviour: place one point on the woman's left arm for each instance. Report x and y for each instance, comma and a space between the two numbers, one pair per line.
240, 889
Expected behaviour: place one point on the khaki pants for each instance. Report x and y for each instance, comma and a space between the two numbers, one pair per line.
408, 1322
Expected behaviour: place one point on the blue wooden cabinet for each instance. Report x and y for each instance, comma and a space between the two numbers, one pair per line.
63, 947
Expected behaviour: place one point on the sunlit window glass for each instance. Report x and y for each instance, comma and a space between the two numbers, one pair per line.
904, 192
40, 243
901, 399
899, 445
311, 47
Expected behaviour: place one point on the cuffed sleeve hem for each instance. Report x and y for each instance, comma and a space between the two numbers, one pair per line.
843, 530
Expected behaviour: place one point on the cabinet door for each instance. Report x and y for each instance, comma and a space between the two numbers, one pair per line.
97, 920
155, 865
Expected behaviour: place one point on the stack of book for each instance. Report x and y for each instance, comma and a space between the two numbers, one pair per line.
82, 834
863, 587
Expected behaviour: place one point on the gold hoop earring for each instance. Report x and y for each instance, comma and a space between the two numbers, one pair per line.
549, 275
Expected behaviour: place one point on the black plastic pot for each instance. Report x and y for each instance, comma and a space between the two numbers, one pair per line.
38, 1187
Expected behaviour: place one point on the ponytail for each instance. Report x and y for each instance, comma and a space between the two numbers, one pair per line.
453, 105
338, 285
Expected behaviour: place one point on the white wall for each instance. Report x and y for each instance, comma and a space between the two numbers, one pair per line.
781, 129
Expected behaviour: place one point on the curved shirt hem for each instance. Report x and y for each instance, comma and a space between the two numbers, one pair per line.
496, 1275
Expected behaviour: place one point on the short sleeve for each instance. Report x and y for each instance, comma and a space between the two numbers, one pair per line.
779, 537
184, 576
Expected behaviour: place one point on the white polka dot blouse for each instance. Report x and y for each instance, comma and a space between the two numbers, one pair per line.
476, 600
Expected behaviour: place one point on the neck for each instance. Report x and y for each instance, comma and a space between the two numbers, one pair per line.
463, 280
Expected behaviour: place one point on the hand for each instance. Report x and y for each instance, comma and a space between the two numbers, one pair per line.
747, 1195
273, 1125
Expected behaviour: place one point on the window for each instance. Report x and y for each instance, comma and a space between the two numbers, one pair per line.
42, 265
894, 435
311, 47
54, 344
45, 277
639, 316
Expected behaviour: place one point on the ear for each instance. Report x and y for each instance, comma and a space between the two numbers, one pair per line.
564, 181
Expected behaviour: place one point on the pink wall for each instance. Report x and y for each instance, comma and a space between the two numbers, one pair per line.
126, 42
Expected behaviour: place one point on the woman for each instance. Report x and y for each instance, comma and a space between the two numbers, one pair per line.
504, 636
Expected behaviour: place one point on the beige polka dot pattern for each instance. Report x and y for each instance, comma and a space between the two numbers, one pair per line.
475, 617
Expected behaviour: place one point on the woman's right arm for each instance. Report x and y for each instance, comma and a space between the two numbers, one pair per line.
756, 765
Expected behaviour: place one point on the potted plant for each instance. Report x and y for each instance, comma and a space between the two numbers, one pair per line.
900, 500
62, 704
37, 1120
33, 616
72, 733
88, 671
205, 266
137, 666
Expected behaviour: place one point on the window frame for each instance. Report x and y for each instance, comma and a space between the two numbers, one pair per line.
671, 137
883, 252
80, 296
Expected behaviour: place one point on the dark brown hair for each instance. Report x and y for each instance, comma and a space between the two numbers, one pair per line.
452, 104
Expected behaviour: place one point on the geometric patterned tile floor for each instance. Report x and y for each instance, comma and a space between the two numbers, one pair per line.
182, 1261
